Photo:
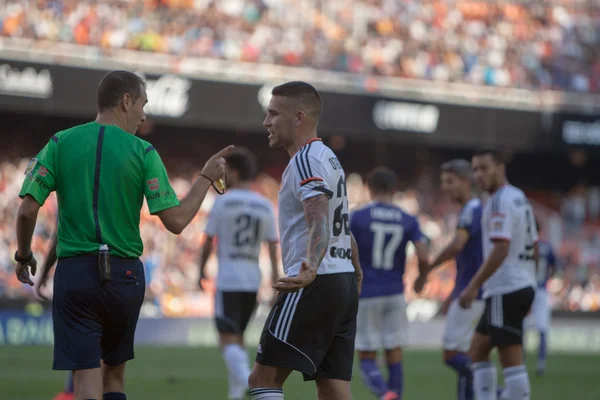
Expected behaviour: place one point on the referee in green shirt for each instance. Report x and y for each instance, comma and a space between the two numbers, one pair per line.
101, 173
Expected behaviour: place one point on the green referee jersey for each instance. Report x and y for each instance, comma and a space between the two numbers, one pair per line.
101, 174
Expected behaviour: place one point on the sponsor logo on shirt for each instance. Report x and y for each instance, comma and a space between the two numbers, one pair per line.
153, 184
43, 171
42, 184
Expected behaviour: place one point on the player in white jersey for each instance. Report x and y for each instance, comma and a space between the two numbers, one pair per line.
312, 325
508, 280
241, 220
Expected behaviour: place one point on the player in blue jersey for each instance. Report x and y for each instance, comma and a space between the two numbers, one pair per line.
382, 232
540, 310
466, 248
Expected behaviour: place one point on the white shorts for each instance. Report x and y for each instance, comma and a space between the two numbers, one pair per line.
460, 325
382, 323
540, 312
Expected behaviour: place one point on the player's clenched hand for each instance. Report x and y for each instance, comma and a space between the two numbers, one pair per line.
306, 275
215, 166
467, 296
22, 271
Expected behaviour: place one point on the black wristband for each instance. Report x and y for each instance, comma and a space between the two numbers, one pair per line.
210, 180
25, 259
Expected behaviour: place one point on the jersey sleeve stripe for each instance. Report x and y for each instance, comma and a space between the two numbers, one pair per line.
149, 149
497, 200
307, 160
499, 237
54, 138
309, 180
325, 191
299, 167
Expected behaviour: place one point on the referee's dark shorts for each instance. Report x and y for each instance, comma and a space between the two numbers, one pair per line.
95, 321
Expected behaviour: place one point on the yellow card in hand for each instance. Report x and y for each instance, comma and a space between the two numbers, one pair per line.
220, 184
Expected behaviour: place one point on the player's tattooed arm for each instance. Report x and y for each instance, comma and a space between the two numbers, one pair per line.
316, 213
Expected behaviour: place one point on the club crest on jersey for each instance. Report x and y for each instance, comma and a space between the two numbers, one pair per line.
43, 171
31, 166
497, 225
153, 184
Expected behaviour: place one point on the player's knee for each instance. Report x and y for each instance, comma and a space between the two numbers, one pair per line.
254, 380
258, 379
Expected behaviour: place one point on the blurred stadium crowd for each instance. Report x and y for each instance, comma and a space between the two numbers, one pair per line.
171, 261
530, 45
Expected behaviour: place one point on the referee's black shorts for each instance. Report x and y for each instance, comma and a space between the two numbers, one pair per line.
313, 330
503, 317
94, 321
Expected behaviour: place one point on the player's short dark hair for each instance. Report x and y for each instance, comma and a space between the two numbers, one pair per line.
243, 161
459, 167
304, 92
115, 85
382, 180
494, 153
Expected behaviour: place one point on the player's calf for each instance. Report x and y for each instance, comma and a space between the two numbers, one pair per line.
542, 350
371, 374
461, 363
394, 359
266, 382
237, 362
333, 389
516, 378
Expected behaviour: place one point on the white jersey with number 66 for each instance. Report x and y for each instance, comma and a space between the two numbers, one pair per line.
314, 170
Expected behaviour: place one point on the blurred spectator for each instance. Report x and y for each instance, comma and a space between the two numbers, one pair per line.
530, 45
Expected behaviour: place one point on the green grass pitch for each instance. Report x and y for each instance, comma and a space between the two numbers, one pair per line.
199, 374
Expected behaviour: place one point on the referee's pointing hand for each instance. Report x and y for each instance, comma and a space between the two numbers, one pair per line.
306, 275
215, 166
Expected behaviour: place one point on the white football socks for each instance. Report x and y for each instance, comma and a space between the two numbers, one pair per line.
266, 394
516, 381
485, 381
238, 364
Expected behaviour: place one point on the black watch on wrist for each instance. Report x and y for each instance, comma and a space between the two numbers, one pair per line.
24, 259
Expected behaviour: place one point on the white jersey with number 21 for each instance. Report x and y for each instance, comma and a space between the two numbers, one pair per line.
508, 215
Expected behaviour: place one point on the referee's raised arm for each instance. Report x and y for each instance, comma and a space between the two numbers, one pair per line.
175, 219
101, 173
